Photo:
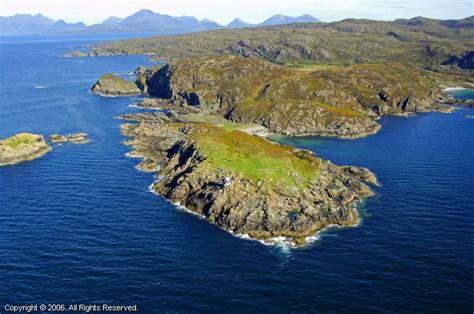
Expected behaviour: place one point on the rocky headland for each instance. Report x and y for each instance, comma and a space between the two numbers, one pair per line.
341, 102
22, 147
244, 183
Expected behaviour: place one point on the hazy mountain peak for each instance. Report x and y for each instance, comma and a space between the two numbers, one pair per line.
138, 16
238, 23
144, 12
60, 22
113, 20
277, 19
284, 19
308, 17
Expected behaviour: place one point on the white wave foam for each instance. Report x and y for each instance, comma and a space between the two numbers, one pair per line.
285, 244
450, 89
137, 106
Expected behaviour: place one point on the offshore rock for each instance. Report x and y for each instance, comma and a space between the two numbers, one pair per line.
77, 138
22, 147
111, 85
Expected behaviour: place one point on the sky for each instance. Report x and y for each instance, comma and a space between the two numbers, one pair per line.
253, 11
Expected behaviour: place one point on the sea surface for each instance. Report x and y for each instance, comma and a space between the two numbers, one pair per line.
464, 93
79, 225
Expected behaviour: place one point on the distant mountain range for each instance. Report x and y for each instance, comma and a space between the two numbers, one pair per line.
141, 21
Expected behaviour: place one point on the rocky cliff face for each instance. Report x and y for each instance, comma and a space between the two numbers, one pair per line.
111, 85
22, 147
341, 101
306, 118
229, 197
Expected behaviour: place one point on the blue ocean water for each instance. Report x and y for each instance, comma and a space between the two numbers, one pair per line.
463, 94
80, 226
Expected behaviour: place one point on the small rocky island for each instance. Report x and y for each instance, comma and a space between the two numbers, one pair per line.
22, 147
112, 85
27, 146
77, 138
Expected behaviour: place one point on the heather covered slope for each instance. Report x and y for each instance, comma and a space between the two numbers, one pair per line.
330, 101
421, 41
331, 79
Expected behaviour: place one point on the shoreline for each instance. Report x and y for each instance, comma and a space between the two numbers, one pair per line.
285, 243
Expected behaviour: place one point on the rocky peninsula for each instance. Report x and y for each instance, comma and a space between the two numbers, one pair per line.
22, 147
244, 183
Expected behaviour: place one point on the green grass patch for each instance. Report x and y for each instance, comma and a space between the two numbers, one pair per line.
255, 158
15, 142
118, 81
230, 126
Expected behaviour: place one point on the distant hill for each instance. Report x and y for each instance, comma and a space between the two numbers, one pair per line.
238, 23
112, 21
24, 24
278, 19
141, 21
284, 19
61, 27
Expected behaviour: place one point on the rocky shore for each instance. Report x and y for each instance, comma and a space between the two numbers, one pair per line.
448, 99
22, 147
278, 192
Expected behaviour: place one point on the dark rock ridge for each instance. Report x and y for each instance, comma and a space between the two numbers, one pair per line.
229, 199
